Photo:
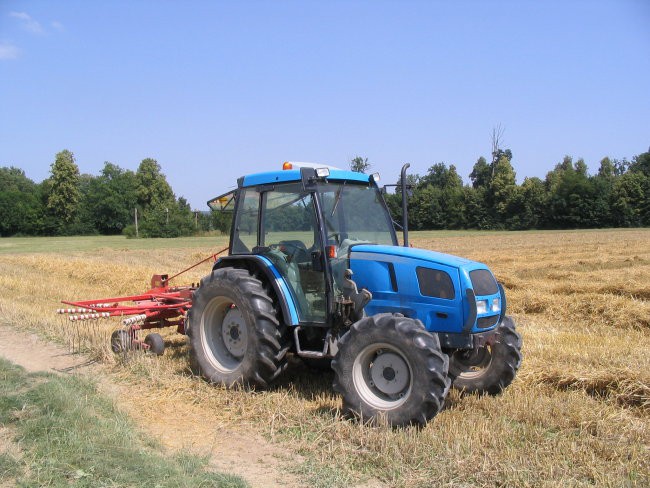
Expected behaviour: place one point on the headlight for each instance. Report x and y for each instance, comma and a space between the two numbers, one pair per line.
481, 306
496, 306
322, 172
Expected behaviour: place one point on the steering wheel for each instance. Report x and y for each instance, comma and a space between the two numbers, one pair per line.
292, 249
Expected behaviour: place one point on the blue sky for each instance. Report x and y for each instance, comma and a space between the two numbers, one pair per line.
214, 90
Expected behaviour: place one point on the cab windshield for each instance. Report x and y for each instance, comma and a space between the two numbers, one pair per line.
355, 214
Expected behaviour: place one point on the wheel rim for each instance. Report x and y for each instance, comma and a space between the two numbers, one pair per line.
474, 363
224, 334
382, 376
120, 341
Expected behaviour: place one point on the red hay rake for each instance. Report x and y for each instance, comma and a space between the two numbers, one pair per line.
161, 306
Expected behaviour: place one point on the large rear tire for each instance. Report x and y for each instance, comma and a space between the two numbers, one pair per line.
234, 333
388, 366
490, 368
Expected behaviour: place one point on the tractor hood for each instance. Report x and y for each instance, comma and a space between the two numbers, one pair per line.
437, 288
397, 254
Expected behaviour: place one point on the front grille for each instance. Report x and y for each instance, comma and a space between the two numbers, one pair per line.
485, 322
483, 282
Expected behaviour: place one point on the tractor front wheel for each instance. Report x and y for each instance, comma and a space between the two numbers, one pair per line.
389, 366
234, 333
490, 368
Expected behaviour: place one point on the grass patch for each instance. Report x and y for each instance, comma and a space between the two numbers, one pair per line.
70, 435
67, 245
9, 467
320, 476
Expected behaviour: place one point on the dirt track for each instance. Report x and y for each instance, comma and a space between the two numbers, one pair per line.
235, 452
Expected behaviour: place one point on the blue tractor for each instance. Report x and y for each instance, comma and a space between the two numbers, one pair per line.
315, 270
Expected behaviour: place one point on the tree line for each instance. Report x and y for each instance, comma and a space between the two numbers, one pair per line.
618, 195
71, 203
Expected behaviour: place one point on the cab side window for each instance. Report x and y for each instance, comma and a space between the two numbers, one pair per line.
245, 236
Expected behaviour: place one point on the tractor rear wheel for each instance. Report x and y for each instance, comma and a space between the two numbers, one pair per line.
490, 368
388, 366
234, 333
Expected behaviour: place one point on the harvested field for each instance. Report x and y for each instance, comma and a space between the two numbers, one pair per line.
578, 413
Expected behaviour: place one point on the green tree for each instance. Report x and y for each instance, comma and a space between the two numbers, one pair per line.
157, 203
14, 179
533, 204
152, 186
84, 221
173, 220
438, 200
425, 211
630, 200
481, 174
359, 164
442, 177
503, 190
221, 221
478, 215
606, 169
21, 209
112, 199
573, 199
580, 167
641, 164
63, 191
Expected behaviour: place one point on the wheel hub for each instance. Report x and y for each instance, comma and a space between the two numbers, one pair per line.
389, 373
234, 334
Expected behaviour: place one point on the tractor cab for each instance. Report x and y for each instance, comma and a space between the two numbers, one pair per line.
304, 221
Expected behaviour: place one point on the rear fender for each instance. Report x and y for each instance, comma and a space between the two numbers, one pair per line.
268, 271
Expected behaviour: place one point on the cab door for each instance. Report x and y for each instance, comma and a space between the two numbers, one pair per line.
289, 237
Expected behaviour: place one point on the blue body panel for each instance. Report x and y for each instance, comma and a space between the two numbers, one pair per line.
294, 175
371, 266
282, 284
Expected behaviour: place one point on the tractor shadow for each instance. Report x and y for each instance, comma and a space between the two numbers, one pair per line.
308, 382
314, 384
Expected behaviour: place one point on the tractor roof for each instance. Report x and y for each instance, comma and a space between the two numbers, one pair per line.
289, 175
226, 201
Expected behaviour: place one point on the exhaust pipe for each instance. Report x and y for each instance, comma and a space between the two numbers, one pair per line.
405, 220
